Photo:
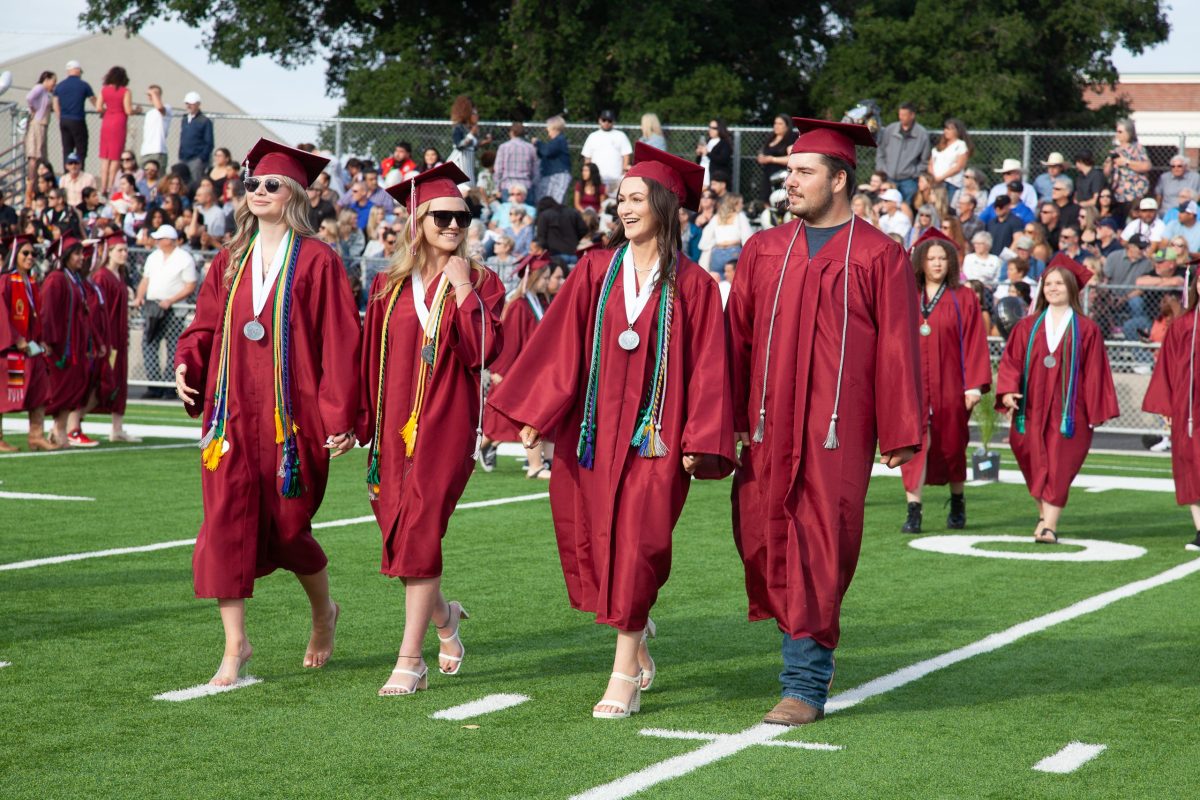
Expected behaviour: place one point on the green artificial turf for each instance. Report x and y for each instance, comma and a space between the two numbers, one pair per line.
92, 641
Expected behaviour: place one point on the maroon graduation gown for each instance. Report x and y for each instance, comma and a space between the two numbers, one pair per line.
954, 358
1048, 460
1168, 395
614, 522
249, 530
19, 320
66, 328
97, 336
519, 324
417, 495
113, 389
798, 507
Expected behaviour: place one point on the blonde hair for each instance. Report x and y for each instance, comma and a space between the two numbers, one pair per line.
728, 208
295, 216
374, 218
651, 126
405, 262
556, 123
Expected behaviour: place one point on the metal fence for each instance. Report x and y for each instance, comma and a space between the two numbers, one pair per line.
374, 138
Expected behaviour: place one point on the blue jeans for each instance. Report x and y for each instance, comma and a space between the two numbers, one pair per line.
722, 256
907, 188
807, 671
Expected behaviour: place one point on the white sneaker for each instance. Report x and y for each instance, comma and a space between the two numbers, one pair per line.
1162, 447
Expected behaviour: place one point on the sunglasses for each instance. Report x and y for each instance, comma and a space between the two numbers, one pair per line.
270, 184
442, 219
23, 253
127, 158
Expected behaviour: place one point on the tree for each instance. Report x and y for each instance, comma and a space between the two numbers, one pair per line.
687, 61
1001, 63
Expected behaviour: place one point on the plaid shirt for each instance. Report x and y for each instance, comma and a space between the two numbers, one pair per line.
516, 162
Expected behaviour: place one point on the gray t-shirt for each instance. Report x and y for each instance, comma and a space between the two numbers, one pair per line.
817, 237
1120, 271
1169, 187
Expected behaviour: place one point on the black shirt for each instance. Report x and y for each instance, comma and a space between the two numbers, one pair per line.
322, 211
559, 229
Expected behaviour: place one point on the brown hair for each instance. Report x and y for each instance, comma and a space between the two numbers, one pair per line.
664, 205
921, 254
461, 110
1072, 290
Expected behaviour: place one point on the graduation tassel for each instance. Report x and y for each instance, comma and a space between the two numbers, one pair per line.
206, 440
409, 434
831, 440
478, 444
586, 452
761, 427
373, 477
278, 428
291, 470
373, 482
211, 458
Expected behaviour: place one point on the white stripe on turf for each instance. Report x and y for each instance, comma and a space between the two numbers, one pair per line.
147, 548
205, 690
66, 451
101, 430
1097, 483
1070, 758
662, 733
4, 664
477, 708
730, 744
32, 496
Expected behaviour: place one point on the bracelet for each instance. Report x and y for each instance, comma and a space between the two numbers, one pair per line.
456, 285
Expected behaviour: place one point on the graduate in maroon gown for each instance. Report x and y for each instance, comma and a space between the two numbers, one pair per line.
824, 357
628, 367
67, 331
97, 345
272, 356
1055, 380
22, 348
956, 370
1173, 394
522, 313
432, 325
112, 389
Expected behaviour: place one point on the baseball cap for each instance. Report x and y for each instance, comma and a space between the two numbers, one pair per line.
1189, 207
165, 232
73, 64
1023, 243
1015, 186
892, 196
608, 115
1109, 222
191, 97
1148, 204
1137, 240
73, 158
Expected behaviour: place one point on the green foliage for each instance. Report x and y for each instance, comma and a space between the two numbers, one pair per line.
996, 64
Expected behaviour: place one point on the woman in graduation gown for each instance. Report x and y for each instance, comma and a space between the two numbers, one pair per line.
432, 325
97, 345
629, 368
67, 331
26, 383
1173, 394
522, 313
272, 357
113, 385
1055, 380
955, 371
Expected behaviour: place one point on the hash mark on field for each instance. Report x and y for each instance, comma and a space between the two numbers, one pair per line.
31, 496
1070, 758
205, 690
148, 548
663, 733
477, 708
762, 733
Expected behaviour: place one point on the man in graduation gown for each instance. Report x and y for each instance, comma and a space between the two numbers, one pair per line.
824, 360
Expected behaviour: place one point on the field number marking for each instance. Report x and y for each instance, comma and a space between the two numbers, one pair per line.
1093, 549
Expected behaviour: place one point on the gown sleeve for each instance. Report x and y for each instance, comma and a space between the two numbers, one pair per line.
56, 299
976, 357
479, 314
369, 347
8, 333
708, 425
1158, 393
340, 337
898, 358
1099, 393
196, 343
1012, 363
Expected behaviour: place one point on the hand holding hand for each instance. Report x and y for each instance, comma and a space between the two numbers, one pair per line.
342, 443
1011, 400
690, 462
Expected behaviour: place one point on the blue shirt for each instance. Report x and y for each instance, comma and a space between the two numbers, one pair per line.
71, 92
554, 155
195, 139
1020, 211
364, 213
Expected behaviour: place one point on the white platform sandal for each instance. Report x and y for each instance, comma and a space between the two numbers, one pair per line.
650, 632
390, 689
634, 705
462, 650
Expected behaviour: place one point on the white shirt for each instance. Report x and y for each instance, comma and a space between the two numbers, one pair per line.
154, 131
1154, 232
213, 219
607, 150
895, 222
737, 231
261, 284
1054, 333
166, 277
944, 160
636, 299
981, 268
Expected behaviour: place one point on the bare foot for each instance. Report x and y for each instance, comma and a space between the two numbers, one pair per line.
409, 676
320, 643
231, 666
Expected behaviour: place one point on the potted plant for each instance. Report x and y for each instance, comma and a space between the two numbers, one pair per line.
985, 462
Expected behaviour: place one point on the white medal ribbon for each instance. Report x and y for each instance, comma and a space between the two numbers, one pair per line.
1054, 333
418, 293
635, 299
260, 283
536, 306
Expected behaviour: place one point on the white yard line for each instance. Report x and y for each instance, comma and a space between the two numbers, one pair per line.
663, 733
484, 705
68, 451
100, 430
1070, 758
32, 496
730, 744
204, 690
147, 548
4, 664
1091, 483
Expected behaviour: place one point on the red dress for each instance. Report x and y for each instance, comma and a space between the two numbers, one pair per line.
1168, 395
520, 321
25, 378
115, 124
113, 387
1048, 459
614, 522
249, 530
418, 494
954, 358
798, 507
66, 328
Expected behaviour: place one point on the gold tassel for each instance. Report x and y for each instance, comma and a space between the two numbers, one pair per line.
278, 428
211, 457
409, 434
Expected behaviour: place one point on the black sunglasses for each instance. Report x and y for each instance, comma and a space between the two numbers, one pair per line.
23, 253
442, 218
271, 184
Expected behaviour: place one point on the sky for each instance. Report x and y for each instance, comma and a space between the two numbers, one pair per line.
262, 87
